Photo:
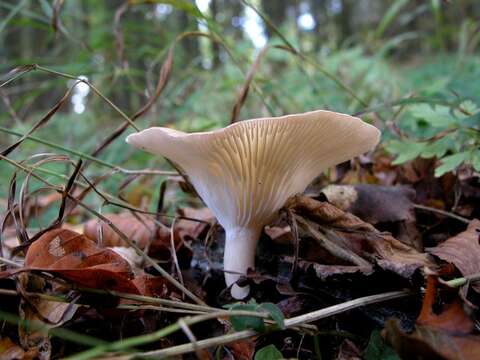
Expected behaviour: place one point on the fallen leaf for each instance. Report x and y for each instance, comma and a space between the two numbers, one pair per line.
78, 259
462, 250
323, 272
373, 203
351, 233
190, 229
443, 332
389, 207
129, 254
33, 309
139, 228
243, 349
450, 318
155, 286
291, 306
280, 234
348, 351
11, 351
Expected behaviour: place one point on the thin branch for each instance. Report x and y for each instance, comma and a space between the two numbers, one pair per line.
124, 237
289, 323
89, 157
442, 212
95, 90
461, 281
129, 343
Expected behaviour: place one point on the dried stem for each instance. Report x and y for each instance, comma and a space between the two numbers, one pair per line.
442, 212
289, 323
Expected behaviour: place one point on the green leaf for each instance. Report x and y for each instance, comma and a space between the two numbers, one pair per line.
378, 350
269, 352
437, 148
274, 312
390, 16
451, 162
240, 323
469, 107
476, 160
472, 121
436, 116
406, 150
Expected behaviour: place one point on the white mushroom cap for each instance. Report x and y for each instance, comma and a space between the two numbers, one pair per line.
246, 171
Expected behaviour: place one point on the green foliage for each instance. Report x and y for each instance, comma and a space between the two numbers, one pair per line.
380, 71
378, 350
390, 16
448, 133
256, 323
240, 323
269, 352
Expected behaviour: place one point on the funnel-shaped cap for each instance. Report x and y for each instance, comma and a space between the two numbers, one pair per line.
246, 171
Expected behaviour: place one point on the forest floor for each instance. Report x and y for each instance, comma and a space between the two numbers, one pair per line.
382, 270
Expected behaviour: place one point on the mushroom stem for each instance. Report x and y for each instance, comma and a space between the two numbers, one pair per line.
239, 256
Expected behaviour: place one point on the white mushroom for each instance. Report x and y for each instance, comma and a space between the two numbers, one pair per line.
245, 172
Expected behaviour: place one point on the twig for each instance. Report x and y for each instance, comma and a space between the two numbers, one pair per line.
95, 90
170, 305
10, 262
46, 329
289, 323
140, 252
160, 308
461, 281
188, 332
174, 251
109, 198
332, 247
152, 300
125, 344
88, 157
124, 237
302, 56
442, 212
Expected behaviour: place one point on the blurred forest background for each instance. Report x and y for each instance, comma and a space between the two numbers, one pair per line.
76, 77
409, 66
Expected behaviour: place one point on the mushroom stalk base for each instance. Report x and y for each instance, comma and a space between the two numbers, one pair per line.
239, 256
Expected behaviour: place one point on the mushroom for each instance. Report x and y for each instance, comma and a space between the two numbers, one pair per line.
246, 171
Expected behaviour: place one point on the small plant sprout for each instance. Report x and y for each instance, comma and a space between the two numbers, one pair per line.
246, 172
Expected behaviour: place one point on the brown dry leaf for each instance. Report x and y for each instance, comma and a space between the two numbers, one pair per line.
348, 351
187, 229
140, 229
243, 349
325, 271
361, 238
376, 204
440, 334
463, 250
452, 317
52, 311
78, 259
373, 203
383, 169
11, 351
152, 285
33, 309
280, 234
